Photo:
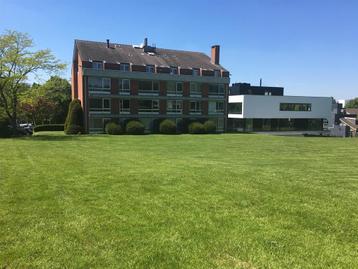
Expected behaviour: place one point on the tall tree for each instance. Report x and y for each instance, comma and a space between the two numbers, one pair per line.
17, 62
353, 103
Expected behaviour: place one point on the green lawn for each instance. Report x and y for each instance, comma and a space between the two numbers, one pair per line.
187, 201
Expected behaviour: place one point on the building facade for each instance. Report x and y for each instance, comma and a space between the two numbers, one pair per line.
117, 82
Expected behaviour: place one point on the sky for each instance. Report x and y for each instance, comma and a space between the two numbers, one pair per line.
309, 47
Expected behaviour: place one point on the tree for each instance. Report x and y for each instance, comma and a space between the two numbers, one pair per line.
17, 62
38, 110
74, 119
353, 103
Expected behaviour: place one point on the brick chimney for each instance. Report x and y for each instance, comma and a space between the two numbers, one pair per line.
215, 54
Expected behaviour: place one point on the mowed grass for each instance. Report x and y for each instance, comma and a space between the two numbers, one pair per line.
188, 201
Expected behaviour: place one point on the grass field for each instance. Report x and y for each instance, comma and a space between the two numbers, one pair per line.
188, 201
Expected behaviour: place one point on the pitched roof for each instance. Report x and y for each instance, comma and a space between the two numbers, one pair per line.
120, 53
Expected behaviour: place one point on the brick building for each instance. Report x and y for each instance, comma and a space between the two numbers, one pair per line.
117, 82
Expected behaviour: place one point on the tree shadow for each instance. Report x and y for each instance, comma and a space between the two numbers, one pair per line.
46, 137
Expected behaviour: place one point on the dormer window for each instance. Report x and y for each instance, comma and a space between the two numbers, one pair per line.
149, 68
97, 65
196, 72
216, 73
173, 70
124, 67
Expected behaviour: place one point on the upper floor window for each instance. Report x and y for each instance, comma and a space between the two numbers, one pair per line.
124, 67
173, 70
149, 68
99, 104
124, 106
235, 108
174, 106
148, 105
216, 73
216, 90
216, 107
148, 87
195, 107
196, 71
99, 84
295, 107
174, 88
195, 89
97, 65
124, 86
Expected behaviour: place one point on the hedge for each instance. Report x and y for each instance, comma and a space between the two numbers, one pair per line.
210, 127
167, 127
113, 128
135, 127
74, 129
49, 127
196, 128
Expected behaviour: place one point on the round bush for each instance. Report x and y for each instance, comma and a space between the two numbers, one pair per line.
135, 127
113, 128
74, 129
210, 127
196, 128
167, 127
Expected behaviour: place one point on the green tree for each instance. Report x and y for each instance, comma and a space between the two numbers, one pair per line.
353, 103
17, 62
74, 119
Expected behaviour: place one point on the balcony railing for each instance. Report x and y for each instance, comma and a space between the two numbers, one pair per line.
148, 92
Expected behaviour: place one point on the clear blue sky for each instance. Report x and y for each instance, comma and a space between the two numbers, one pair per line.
308, 46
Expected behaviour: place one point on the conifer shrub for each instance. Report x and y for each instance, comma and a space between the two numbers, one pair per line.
167, 127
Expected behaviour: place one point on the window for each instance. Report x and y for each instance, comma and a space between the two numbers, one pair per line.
174, 88
149, 68
99, 84
173, 70
148, 87
96, 124
216, 73
235, 108
195, 89
99, 105
216, 107
174, 106
195, 107
196, 72
216, 90
124, 67
124, 106
97, 65
295, 107
124, 86
148, 106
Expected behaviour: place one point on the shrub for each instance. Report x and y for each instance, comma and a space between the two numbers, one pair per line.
74, 129
49, 127
196, 128
5, 131
135, 127
113, 128
167, 127
210, 127
74, 116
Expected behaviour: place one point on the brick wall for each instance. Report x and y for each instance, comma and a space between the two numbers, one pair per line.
114, 106
162, 88
114, 85
186, 107
133, 106
185, 71
111, 66
205, 89
134, 87
186, 88
204, 107
162, 107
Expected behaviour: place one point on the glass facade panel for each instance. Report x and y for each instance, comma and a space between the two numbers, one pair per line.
295, 107
235, 108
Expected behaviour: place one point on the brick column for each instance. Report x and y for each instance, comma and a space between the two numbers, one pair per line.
114, 86
163, 88
162, 107
133, 106
186, 107
205, 89
134, 87
204, 108
115, 106
186, 88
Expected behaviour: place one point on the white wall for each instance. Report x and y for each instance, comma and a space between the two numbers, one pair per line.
268, 107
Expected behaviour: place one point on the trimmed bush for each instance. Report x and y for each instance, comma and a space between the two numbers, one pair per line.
210, 127
196, 128
135, 127
5, 131
113, 128
49, 127
167, 127
74, 117
74, 129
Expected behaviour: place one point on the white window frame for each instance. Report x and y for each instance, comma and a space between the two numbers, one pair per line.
218, 92
196, 72
103, 109
195, 92
150, 91
150, 110
176, 110
173, 70
124, 69
97, 65
217, 73
197, 110
125, 91
101, 89
123, 110
149, 68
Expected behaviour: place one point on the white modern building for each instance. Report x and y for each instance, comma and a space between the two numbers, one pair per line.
280, 113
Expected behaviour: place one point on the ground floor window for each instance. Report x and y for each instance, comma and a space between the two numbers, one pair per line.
96, 125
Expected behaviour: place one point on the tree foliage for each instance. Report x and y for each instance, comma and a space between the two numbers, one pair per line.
74, 119
353, 103
17, 62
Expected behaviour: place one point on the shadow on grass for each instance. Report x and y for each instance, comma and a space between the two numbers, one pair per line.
50, 137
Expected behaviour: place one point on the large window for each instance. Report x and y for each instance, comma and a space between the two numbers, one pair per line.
124, 106
174, 106
235, 108
173, 70
195, 107
124, 86
216, 107
295, 107
217, 90
97, 65
195, 89
124, 67
99, 84
174, 88
99, 104
148, 106
148, 87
